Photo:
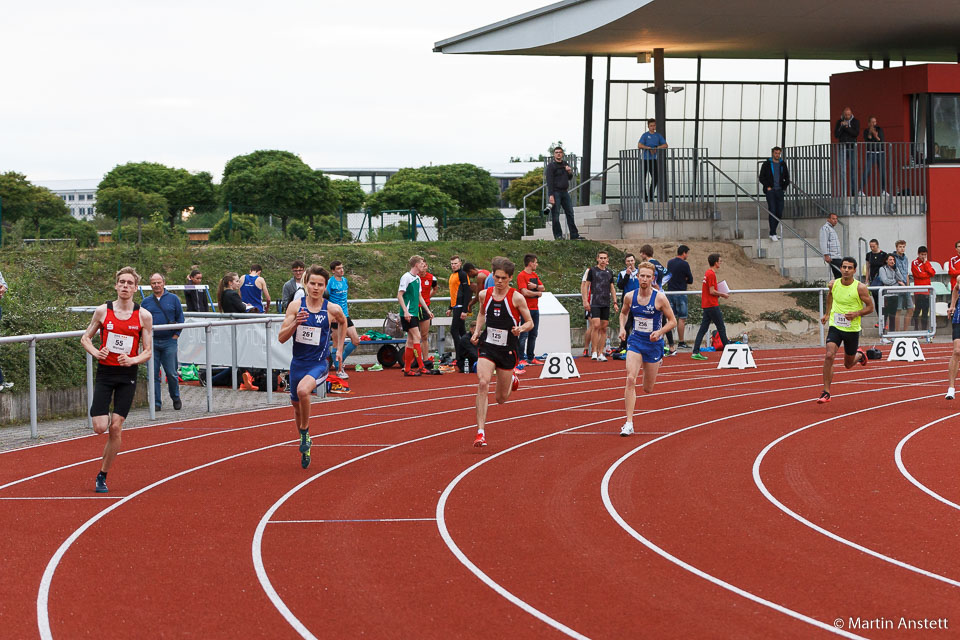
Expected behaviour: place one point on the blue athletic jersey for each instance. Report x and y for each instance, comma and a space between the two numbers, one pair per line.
646, 317
250, 293
338, 290
311, 340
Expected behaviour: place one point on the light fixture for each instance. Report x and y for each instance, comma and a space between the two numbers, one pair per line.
666, 87
644, 57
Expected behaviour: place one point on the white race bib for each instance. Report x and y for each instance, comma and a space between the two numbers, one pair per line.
497, 337
308, 335
119, 343
841, 320
643, 324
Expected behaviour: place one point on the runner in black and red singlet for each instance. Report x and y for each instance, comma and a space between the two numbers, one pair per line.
504, 317
126, 332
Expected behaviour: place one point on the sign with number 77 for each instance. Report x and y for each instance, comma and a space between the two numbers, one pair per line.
737, 356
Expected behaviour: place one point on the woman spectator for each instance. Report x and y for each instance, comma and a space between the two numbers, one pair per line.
888, 277
227, 296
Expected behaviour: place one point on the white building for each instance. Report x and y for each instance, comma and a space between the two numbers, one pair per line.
79, 195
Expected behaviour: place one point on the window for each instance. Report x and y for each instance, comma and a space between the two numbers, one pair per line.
70, 197
945, 110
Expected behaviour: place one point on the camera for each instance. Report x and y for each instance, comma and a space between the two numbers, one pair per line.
547, 210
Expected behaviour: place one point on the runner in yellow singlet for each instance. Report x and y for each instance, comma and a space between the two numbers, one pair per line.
847, 301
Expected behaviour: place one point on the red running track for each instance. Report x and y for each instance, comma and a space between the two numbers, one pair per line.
742, 509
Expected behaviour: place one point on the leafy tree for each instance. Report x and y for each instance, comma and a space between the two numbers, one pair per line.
179, 188
471, 187
22, 200
66, 226
277, 183
522, 186
487, 224
348, 194
244, 228
132, 202
535, 220
405, 194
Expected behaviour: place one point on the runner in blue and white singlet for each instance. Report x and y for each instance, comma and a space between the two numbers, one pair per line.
648, 309
954, 312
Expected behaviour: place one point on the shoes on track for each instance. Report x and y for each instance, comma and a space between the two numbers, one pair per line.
376, 367
515, 384
358, 368
601, 358
863, 358
413, 373
824, 397
950, 394
338, 388
626, 429
343, 374
101, 485
480, 440
698, 356
305, 444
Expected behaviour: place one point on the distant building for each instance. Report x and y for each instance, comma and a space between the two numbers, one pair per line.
79, 195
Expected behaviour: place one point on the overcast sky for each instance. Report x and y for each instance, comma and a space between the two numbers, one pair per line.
87, 86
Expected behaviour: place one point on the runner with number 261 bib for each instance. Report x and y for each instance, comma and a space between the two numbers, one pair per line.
648, 308
498, 345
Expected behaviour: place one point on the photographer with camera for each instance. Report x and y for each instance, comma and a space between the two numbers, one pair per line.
846, 131
557, 175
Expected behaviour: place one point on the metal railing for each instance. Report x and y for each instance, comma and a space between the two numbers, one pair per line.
663, 184
862, 178
901, 293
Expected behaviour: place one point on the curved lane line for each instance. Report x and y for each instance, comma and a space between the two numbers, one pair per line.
903, 469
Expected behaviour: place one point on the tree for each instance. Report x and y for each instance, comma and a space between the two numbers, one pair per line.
242, 228
349, 194
426, 199
179, 188
522, 186
22, 200
471, 187
277, 183
487, 224
128, 201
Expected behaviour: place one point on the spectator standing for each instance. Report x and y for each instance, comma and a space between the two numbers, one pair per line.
649, 143
228, 298
922, 271
460, 296
875, 259
830, 245
291, 286
3, 291
904, 300
887, 276
660, 272
953, 266
411, 301
710, 303
873, 136
557, 175
338, 290
196, 298
253, 290
678, 278
627, 281
598, 292
531, 288
846, 131
428, 285
165, 309
775, 178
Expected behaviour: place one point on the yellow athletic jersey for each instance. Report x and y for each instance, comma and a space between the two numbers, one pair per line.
846, 298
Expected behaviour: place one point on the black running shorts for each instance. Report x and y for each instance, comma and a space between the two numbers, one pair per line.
502, 357
116, 384
849, 339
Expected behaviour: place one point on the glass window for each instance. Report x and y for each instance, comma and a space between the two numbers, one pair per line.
751, 102
945, 110
731, 101
711, 100
70, 197
616, 137
618, 100
770, 102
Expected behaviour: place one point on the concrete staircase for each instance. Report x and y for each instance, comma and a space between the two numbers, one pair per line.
594, 222
799, 262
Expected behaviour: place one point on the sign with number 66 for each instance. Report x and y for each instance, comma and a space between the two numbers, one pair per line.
559, 365
905, 350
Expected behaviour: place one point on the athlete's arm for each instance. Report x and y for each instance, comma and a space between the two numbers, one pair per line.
613, 296
664, 306
521, 305
625, 313
146, 341
481, 318
867, 300
829, 305
403, 305
336, 312
266, 294
424, 305
953, 299
97, 320
584, 293
291, 318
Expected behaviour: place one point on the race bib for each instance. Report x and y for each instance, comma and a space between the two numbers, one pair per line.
308, 335
841, 320
644, 325
118, 343
497, 337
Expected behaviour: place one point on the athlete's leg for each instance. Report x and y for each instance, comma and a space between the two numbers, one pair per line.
595, 324
504, 385
413, 338
425, 338
634, 361
954, 364
485, 370
650, 371
301, 407
112, 448
349, 347
828, 359
600, 338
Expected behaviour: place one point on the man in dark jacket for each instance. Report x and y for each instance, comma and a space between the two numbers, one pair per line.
775, 179
557, 175
873, 136
846, 132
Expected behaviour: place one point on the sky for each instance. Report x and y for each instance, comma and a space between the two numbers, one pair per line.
88, 86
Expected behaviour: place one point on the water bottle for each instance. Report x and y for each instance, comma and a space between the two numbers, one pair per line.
744, 338
606, 349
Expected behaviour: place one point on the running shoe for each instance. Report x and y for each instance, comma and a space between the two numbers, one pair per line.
305, 442
343, 374
516, 383
101, 485
339, 389
538, 360
448, 368
682, 345
479, 441
698, 356
594, 356
601, 358
670, 353
359, 367
626, 429
824, 397
411, 374
863, 359
949, 395
522, 364
518, 371
376, 367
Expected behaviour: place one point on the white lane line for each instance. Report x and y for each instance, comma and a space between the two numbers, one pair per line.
898, 455
353, 520
758, 481
67, 498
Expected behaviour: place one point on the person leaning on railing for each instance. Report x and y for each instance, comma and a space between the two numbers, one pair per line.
650, 142
887, 276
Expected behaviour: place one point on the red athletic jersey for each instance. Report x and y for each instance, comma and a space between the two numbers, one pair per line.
120, 336
427, 282
523, 282
494, 311
922, 272
954, 271
709, 280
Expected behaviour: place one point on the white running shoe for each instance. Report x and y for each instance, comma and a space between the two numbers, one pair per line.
601, 358
950, 394
774, 238
626, 429
342, 374
594, 356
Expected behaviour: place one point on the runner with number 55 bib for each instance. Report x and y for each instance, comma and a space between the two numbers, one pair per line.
506, 316
847, 301
647, 307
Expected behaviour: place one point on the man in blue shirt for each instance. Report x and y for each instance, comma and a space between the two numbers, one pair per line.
338, 290
165, 309
650, 142
678, 277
